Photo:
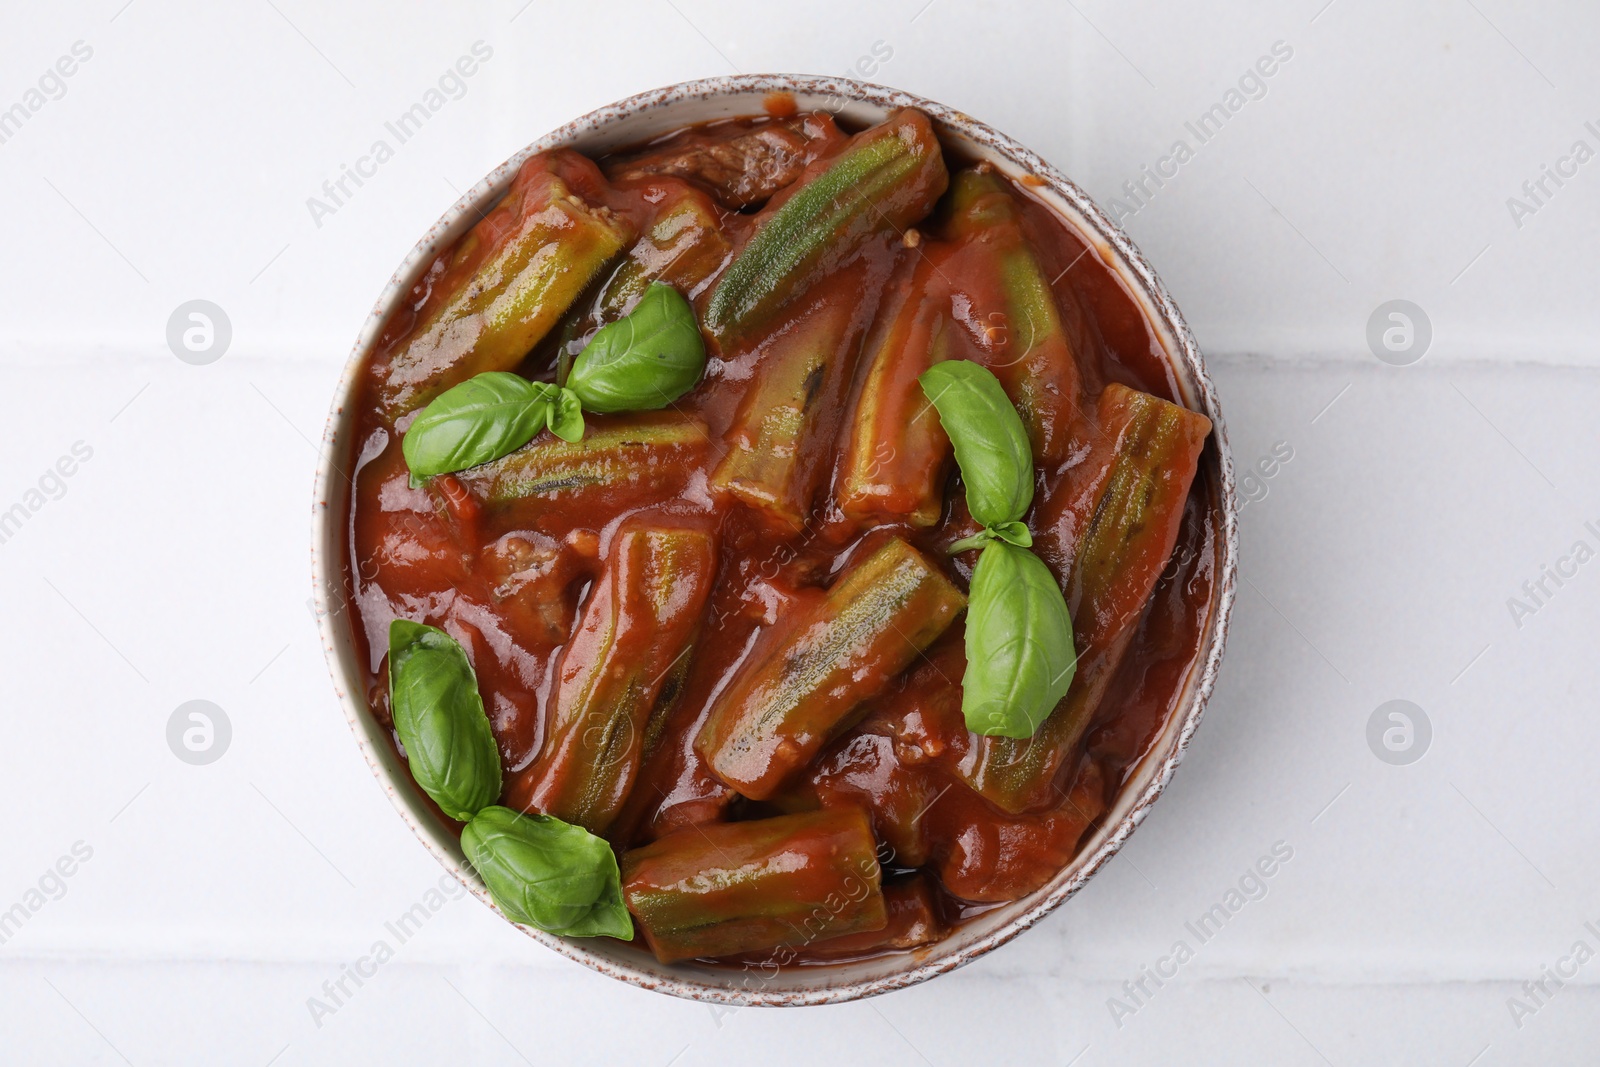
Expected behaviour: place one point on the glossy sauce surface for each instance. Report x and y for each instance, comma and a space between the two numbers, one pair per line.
510, 583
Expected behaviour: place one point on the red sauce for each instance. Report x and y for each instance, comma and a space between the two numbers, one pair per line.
438, 557
780, 105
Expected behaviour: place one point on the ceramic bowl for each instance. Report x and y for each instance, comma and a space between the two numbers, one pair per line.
641, 118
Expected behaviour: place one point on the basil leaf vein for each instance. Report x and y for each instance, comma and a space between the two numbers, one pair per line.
439, 716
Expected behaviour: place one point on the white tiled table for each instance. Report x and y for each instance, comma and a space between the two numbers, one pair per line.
172, 564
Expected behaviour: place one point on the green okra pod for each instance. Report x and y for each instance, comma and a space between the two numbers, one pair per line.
773, 462
771, 884
489, 300
894, 450
778, 712
682, 247
641, 617
642, 452
885, 179
913, 921
1016, 319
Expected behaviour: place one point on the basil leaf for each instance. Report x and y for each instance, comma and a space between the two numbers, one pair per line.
566, 416
485, 417
547, 873
643, 361
990, 443
440, 719
1012, 533
1020, 656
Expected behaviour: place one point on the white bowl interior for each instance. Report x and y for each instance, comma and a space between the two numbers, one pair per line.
641, 119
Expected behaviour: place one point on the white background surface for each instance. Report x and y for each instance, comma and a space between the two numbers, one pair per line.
173, 565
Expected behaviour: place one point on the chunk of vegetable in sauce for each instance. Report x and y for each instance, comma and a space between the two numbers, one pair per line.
1008, 307
487, 302
913, 921
778, 712
779, 883
682, 247
887, 178
639, 623
992, 860
745, 168
642, 453
772, 463
894, 453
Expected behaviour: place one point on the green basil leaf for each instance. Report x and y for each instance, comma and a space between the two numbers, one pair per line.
1020, 655
643, 361
440, 719
547, 873
485, 417
1012, 533
991, 445
566, 416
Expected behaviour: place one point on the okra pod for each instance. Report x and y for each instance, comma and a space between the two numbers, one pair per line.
772, 463
1012, 313
653, 451
488, 301
637, 626
682, 247
780, 883
780, 710
1118, 535
886, 178
895, 450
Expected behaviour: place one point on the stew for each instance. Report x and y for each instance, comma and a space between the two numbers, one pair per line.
698, 474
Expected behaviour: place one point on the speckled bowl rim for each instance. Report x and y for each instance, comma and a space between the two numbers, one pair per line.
798, 985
